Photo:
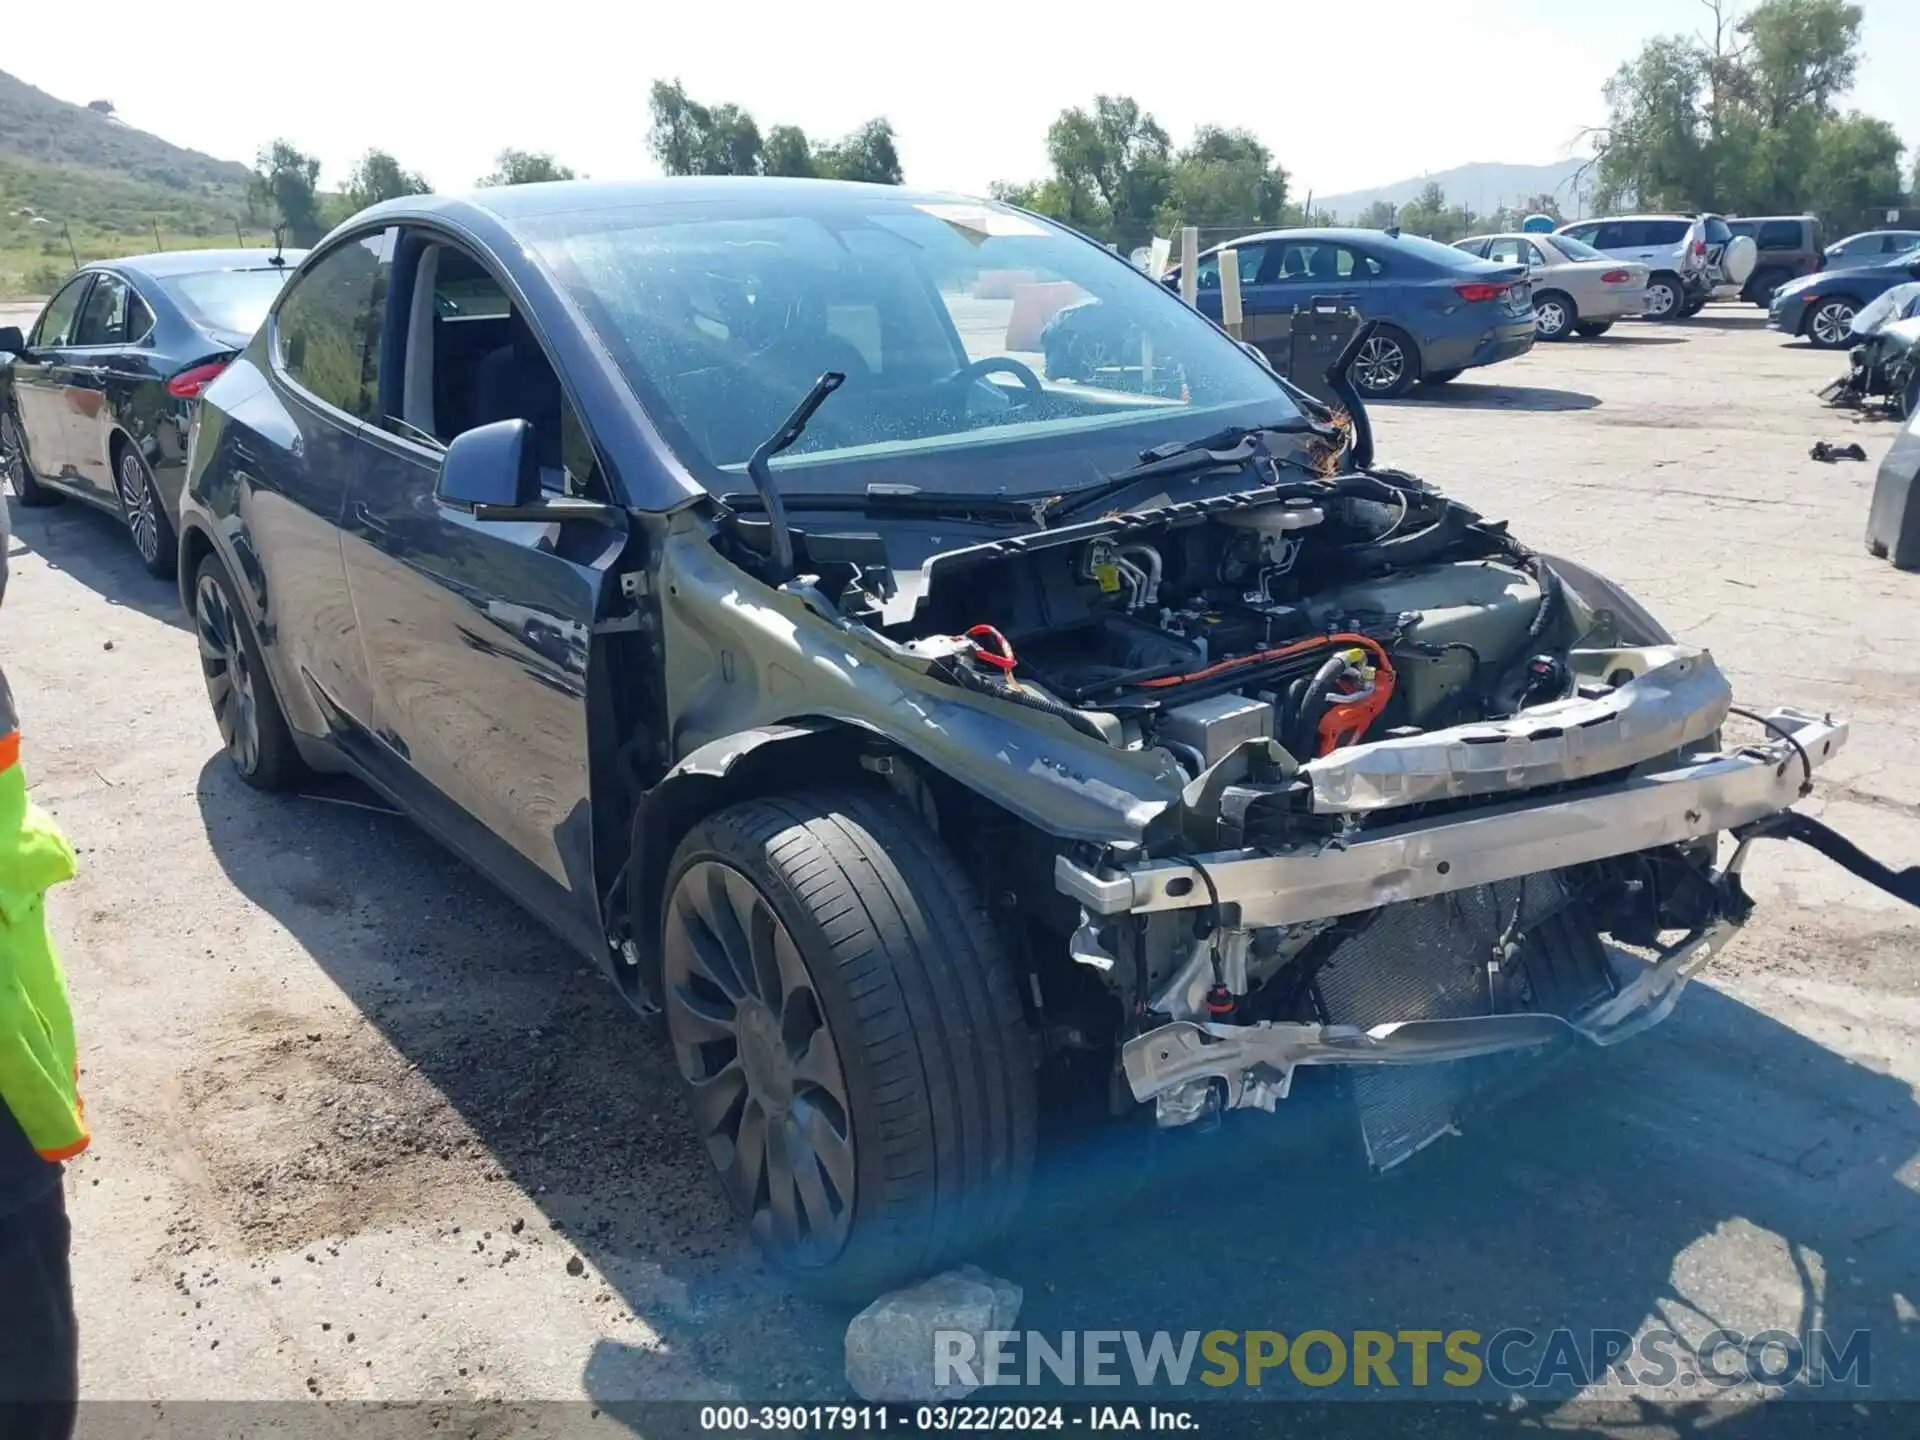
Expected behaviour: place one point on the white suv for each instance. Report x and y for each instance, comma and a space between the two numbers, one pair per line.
1681, 253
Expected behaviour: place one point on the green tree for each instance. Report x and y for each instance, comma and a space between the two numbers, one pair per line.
1745, 121
689, 138
1224, 178
1377, 216
788, 152
377, 176
524, 167
286, 183
1117, 155
867, 154
1855, 177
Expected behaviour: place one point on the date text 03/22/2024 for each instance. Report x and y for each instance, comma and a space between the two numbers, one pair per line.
816, 1419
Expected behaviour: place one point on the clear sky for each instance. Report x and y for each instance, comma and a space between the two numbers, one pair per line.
1348, 95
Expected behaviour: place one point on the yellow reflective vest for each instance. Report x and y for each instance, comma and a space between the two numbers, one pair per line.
39, 1074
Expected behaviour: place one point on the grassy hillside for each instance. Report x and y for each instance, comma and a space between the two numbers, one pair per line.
103, 186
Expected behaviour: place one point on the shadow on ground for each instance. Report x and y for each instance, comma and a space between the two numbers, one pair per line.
1725, 317
1609, 1194
93, 547
1469, 395
1631, 337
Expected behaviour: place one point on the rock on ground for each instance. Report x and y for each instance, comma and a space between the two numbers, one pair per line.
892, 1345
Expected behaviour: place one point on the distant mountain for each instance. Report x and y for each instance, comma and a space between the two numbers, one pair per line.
77, 183
1483, 186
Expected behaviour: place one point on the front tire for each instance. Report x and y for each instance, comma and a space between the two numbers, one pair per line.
1387, 365
252, 726
1830, 323
850, 1030
1554, 315
1440, 377
16, 470
153, 538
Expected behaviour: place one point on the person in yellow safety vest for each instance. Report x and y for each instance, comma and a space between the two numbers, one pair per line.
42, 1120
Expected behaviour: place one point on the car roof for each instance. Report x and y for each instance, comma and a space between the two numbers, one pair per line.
165, 264
511, 203
1331, 233
1769, 217
1651, 215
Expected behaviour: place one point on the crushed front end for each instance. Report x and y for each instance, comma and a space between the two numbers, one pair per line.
1489, 888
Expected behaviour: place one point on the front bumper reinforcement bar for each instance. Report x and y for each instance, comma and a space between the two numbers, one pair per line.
1694, 799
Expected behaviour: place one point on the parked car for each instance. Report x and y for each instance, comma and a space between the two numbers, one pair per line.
1821, 306
1677, 252
1440, 312
1786, 247
95, 399
1576, 288
730, 593
1867, 247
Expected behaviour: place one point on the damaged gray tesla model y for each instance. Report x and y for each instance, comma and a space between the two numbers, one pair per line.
710, 563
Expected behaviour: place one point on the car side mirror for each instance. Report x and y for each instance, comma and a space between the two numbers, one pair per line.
490, 465
12, 342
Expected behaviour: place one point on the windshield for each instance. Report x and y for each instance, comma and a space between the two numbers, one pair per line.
984, 350
235, 300
1578, 249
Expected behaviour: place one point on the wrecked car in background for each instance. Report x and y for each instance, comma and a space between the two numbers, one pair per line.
1883, 366
924, 736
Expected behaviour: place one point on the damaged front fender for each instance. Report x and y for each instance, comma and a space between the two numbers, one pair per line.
741, 655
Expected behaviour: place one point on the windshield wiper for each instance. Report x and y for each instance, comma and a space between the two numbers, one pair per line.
885, 498
791, 429
1233, 448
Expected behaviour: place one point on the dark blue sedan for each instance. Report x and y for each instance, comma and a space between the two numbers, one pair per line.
1821, 306
95, 398
1440, 311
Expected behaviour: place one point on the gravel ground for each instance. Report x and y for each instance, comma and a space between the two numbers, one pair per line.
363, 1130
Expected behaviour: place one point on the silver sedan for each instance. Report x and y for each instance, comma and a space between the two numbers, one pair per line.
1576, 288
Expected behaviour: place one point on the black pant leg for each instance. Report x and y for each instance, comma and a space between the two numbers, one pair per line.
39, 1337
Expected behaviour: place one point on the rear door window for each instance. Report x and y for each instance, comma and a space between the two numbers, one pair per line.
1612, 235
1505, 251
327, 329
56, 324
1659, 232
103, 320
1780, 235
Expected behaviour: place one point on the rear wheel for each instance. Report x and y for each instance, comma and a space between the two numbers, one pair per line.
1440, 377
1761, 285
1591, 328
1830, 323
1554, 315
1386, 366
252, 727
14, 467
1693, 307
850, 1030
153, 537
1665, 296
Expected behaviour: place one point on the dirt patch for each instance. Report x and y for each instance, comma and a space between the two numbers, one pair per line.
305, 1136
